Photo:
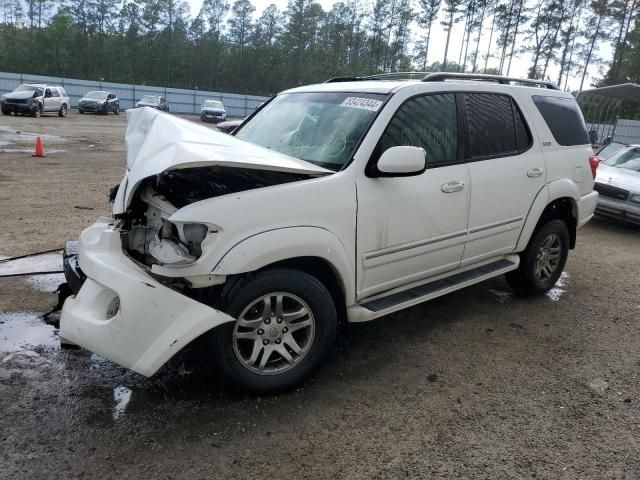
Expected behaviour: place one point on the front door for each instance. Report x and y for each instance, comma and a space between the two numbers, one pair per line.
411, 228
507, 172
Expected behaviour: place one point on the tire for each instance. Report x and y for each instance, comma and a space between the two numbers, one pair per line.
63, 111
117, 109
37, 113
238, 348
6, 111
81, 112
203, 119
543, 261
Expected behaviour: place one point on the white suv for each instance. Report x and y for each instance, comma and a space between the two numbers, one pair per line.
345, 200
35, 99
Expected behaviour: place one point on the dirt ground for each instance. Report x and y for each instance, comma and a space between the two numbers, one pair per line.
478, 384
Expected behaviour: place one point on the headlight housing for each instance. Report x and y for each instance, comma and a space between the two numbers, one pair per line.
178, 243
635, 198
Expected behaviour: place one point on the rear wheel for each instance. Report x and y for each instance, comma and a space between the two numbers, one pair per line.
285, 327
63, 111
541, 264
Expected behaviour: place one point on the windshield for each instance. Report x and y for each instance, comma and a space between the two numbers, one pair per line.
610, 149
29, 88
321, 128
96, 95
150, 99
628, 159
213, 104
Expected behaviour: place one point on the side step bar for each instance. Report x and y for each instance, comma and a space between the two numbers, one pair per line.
380, 306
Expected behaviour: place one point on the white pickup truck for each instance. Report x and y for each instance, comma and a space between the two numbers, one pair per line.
345, 200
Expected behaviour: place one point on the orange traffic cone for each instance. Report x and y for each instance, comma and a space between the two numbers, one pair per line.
39, 149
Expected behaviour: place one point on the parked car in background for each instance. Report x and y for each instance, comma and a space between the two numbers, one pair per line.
35, 99
345, 200
229, 126
213, 111
618, 182
99, 102
609, 149
154, 101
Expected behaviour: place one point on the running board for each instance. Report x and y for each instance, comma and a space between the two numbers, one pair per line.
380, 306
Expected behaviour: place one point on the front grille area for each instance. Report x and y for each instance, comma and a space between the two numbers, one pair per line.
611, 191
16, 101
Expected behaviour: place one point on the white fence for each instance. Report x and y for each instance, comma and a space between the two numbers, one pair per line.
180, 100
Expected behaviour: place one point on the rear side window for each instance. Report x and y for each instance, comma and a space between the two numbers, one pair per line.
428, 121
564, 119
496, 126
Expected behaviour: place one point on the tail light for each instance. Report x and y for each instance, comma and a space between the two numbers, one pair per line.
594, 161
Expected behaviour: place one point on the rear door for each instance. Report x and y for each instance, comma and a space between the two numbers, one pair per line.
507, 171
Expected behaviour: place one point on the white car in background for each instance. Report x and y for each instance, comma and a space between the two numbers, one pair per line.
618, 182
346, 200
213, 111
35, 99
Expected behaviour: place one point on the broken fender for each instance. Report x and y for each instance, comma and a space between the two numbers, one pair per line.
126, 315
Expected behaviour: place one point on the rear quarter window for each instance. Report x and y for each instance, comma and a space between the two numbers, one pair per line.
564, 119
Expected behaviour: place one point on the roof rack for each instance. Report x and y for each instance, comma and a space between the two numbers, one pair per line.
379, 76
442, 76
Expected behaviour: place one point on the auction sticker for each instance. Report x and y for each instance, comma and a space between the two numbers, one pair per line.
363, 103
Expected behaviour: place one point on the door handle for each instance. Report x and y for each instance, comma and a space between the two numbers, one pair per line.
453, 186
535, 172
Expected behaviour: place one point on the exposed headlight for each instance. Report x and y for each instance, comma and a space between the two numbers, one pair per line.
187, 248
635, 198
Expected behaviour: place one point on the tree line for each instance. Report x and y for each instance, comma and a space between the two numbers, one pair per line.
227, 47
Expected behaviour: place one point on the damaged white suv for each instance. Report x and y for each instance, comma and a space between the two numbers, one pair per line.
345, 200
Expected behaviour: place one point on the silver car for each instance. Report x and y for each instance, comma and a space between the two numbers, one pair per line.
618, 182
213, 111
36, 99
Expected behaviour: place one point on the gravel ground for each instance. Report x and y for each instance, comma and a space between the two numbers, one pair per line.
478, 384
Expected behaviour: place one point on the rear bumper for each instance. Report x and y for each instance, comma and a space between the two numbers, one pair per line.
618, 210
586, 207
125, 315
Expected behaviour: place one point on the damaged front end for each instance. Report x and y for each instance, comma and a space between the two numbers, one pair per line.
140, 273
150, 236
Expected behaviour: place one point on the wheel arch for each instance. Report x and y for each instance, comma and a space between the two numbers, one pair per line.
557, 200
311, 249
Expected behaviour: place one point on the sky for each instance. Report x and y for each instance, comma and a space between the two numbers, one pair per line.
519, 65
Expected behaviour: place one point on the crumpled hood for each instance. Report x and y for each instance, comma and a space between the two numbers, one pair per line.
18, 95
157, 142
619, 177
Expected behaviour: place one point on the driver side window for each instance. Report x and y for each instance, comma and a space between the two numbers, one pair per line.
428, 121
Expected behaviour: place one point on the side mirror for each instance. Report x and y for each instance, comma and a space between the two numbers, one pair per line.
403, 161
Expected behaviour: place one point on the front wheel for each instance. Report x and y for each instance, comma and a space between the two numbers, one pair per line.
6, 111
284, 329
541, 264
37, 112
117, 109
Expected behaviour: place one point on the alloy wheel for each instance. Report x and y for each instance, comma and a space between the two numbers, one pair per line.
548, 257
273, 333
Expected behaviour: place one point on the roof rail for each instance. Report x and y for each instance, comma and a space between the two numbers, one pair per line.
379, 76
442, 76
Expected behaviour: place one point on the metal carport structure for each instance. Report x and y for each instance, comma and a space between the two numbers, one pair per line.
612, 112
